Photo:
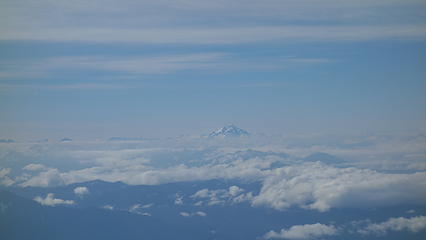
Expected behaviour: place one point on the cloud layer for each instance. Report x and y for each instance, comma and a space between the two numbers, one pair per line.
202, 21
285, 180
236, 35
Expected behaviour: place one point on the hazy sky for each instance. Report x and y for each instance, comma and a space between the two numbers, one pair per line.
163, 68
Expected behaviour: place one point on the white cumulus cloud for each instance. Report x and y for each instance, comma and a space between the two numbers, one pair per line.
414, 225
307, 231
50, 200
321, 187
81, 191
235, 190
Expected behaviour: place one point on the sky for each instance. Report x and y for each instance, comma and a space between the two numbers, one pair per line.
98, 69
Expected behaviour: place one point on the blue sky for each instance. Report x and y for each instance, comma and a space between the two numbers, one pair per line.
143, 68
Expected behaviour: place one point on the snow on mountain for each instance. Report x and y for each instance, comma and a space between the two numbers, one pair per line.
229, 131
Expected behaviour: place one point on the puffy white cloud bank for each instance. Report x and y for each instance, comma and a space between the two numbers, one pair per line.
320, 231
414, 225
311, 185
321, 187
50, 200
307, 231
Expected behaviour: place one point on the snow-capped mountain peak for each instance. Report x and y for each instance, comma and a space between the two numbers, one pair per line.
229, 131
